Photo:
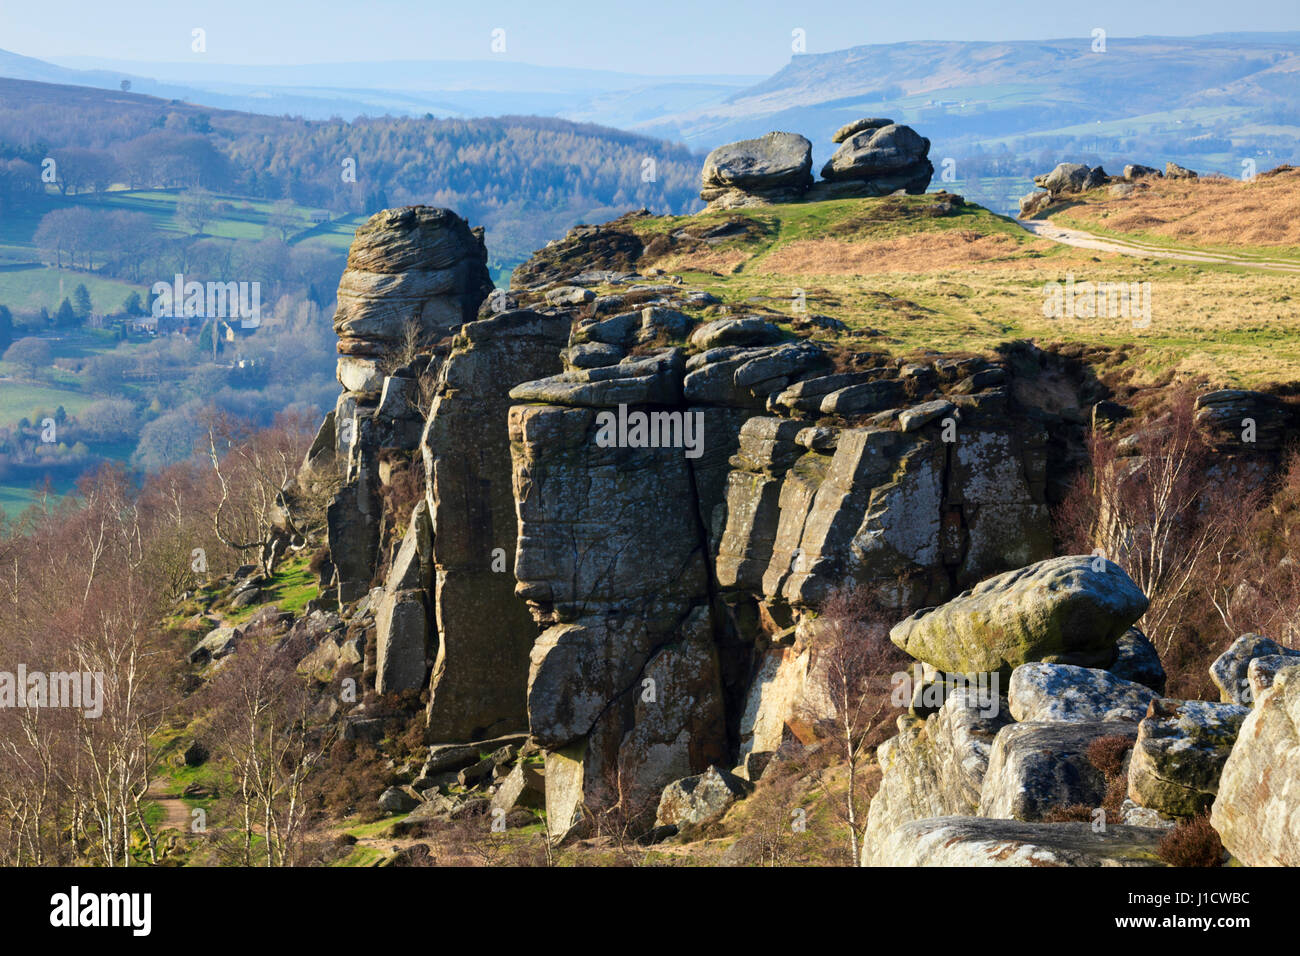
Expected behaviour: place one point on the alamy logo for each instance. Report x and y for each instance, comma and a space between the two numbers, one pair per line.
907, 689
1101, 300
209, 300
651, 430
74, 909
77, 690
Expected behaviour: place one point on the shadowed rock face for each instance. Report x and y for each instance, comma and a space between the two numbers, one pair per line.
484, 632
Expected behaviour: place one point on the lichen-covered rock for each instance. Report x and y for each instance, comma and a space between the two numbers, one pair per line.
402, 633
1230, 670
701, 799
1064, 692
1179, 755
1257, 809
971, 841
1039, 767
1263, 670
1061, 610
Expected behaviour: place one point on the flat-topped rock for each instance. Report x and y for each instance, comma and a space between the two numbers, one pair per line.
973, 841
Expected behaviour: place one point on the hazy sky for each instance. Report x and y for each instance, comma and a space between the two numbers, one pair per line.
650, 36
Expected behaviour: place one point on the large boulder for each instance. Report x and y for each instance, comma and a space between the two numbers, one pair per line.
1181, 748
694, 801
1257, 808
1230, 670
775, 168
1064, 692
888, 157
1039, 767
971, 841
1068, 610
1065, 178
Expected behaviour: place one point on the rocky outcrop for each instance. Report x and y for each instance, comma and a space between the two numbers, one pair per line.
876, 157
418, 268
1257, 808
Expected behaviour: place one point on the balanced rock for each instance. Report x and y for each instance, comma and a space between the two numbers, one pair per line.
888, 158
772, 168
1068, 610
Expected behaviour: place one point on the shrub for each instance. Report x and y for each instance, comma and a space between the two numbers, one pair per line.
1192, 843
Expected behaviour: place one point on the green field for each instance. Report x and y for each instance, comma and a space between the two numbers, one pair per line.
27, 284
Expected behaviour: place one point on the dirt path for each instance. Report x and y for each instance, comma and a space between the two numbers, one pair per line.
1046, 229
176, 813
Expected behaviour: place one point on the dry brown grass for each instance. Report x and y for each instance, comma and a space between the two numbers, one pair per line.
915, 253
1206, 212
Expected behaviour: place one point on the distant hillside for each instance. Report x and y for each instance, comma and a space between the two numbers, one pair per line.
526, 179
1011, 109
448, 88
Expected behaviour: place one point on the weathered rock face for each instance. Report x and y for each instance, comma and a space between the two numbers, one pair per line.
887, 158
1179, 755
1043, 766
935, 767
417, 267
1230, 671
1257, 808
971, 841
612, 557
1062, 692
402, 632
485, 632
773, 168
1058, 611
